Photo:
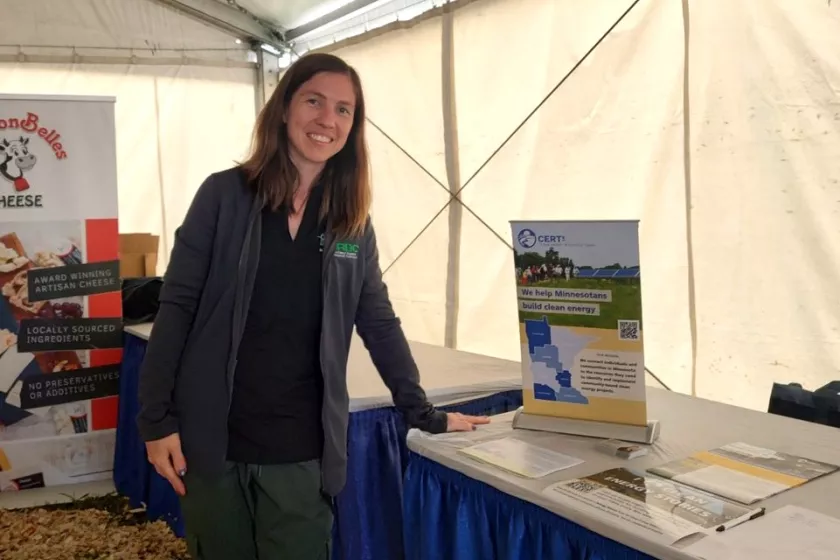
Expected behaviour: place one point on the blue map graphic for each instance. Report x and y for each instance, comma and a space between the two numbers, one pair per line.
552, 382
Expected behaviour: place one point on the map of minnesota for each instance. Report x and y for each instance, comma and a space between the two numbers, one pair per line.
548, 348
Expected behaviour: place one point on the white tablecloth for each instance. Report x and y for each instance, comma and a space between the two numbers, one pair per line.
688, 425
448, 376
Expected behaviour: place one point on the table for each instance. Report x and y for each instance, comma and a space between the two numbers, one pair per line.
368, 523
458, 509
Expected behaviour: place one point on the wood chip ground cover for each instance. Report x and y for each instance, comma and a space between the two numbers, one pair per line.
87, 529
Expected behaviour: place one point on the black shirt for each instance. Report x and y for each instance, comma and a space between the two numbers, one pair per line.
275, 415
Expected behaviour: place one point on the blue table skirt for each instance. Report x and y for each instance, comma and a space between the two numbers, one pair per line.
134, 476
368, 524
450, 516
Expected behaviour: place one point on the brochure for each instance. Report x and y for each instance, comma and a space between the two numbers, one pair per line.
742, 472
662, 510
520, 458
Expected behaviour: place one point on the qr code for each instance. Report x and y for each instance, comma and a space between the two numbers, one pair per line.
582, 486
628, 330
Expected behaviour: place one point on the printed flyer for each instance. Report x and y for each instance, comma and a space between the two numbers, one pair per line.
578, 288
61, 306
743, 472
520, 458
662, 510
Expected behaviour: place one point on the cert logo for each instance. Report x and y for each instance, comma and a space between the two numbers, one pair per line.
527, 238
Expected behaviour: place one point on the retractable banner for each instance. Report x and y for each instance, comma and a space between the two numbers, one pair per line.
578, 288
60, 310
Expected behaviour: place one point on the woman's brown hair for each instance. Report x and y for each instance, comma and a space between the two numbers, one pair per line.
346, 175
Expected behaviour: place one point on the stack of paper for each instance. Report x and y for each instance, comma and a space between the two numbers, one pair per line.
520, 458
790, 532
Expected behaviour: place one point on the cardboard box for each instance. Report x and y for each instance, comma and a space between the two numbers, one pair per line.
138, 255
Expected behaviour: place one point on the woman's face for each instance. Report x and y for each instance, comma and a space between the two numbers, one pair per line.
320, 117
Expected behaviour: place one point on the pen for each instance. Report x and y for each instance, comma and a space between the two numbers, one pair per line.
736, 522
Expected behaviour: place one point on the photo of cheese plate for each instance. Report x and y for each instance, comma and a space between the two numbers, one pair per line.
25, 247
10, 259
15, 291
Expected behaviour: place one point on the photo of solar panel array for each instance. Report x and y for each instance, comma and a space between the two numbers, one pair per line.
608, 273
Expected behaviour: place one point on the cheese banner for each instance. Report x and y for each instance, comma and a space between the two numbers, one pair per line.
61, 307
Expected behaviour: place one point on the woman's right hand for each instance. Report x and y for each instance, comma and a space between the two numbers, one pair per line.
166, 456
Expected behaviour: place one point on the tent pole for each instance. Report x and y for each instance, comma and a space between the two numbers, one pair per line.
692, 304
259, 82
453, 175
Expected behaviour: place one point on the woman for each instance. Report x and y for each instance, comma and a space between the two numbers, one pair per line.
243, 390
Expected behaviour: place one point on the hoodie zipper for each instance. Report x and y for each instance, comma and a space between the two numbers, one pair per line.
325, 269
242, 278
326, 260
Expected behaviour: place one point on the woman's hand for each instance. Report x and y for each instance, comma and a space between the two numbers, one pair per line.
166, 456
457, 422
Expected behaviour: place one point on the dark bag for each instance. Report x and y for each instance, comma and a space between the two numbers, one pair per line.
140, 299
820, 407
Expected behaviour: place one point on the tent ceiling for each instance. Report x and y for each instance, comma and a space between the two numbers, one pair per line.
160, 31
288, 14
104, 24
298, 17
270, 21
229, 17
138, 23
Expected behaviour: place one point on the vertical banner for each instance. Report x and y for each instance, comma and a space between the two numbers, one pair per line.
61, 307
578, 288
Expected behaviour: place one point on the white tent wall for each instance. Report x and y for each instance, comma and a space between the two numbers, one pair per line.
176, 122
759, 164
765, 139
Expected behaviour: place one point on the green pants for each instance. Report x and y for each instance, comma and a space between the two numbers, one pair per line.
256, 512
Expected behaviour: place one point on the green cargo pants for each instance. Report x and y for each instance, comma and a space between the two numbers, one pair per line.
258, 512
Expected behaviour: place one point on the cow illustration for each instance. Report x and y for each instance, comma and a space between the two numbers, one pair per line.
15, 160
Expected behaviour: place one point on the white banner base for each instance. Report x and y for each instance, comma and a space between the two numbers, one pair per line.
587, 428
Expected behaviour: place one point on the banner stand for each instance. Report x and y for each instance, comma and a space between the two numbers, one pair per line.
587, 428
61, 328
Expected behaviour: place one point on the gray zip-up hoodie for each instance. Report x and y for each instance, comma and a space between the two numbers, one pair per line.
186, 380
